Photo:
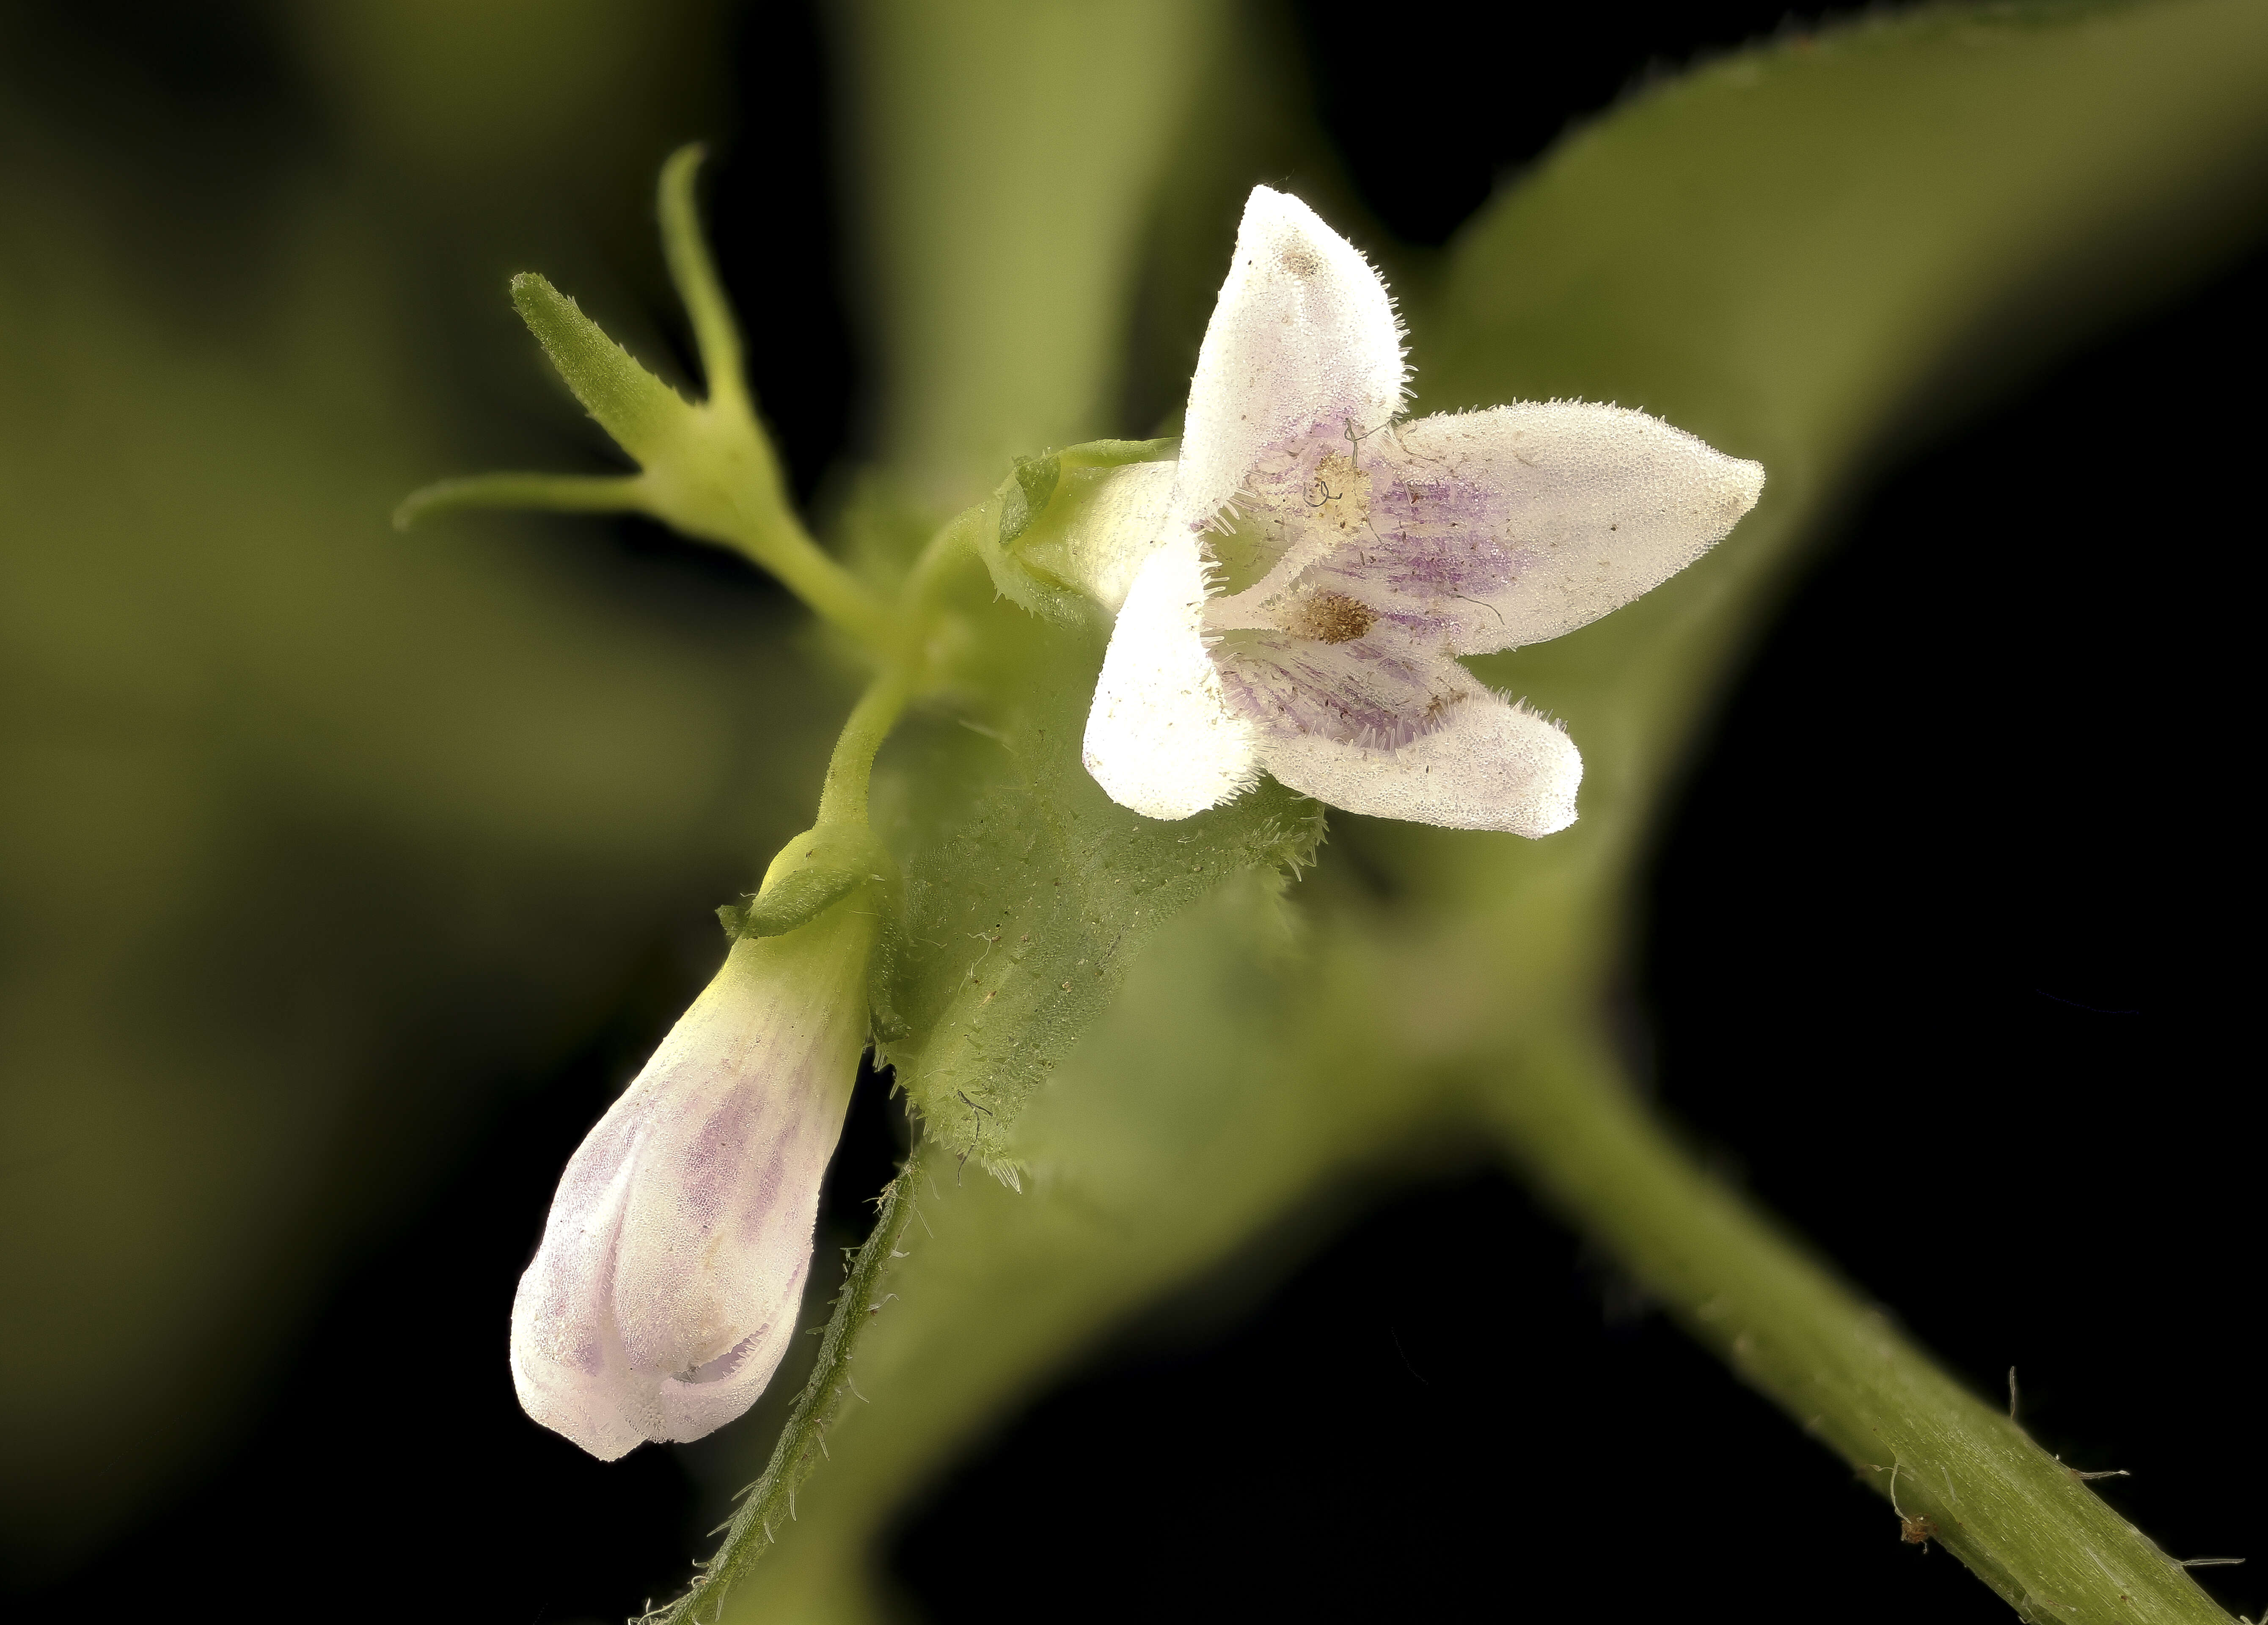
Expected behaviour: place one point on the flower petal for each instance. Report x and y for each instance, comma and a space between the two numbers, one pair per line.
1373, 690
1521, 522
1159, 738
567, 1358
1304, 335
1491, 765
667, 1286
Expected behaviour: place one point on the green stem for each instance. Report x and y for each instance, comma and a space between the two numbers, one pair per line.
769, 1502
955, 542
2023, 1522
566, 494
900, 634
686, 251
844, 798
780, 544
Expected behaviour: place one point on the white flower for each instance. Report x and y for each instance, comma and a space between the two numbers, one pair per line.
671, 1268
1321, 567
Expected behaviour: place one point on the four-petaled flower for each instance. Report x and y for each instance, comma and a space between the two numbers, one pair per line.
1322, 565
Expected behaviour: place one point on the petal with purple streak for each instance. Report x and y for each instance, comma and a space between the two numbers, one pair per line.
1370, 691
1303, 334
1490, 765
1524, 522
666, 1288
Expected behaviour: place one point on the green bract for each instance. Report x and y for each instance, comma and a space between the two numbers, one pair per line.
814, 870
1059, 536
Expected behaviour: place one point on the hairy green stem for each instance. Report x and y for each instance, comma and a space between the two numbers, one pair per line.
769, 1502
714, 334
844, 798
778, 542
750, 510
955, 541
2028, 1526
563, 493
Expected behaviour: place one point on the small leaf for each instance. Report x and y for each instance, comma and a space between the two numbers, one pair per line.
644, 414
694, 271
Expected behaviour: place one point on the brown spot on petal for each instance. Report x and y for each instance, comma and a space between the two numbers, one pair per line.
1331, 618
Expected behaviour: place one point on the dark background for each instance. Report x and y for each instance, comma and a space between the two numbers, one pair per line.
1949, 977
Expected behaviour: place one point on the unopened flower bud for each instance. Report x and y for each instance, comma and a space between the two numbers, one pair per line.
673, 1264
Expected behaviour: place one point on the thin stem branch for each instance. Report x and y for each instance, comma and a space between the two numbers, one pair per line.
770, 1500
570, 493
2022, 1521
769, 1504
751, 512
780, 544
954, 542
844, 798
714, 334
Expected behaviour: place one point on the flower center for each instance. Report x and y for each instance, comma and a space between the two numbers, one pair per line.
1331, 618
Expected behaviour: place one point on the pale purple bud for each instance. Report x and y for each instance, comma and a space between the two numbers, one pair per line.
672, 1268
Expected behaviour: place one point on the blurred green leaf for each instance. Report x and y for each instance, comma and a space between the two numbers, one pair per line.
314, 839
1002, 245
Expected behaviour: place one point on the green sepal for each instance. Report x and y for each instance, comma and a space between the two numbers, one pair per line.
1034, 484
796, 900
890, 949
1036, 504
813, 873
1116, 454
1027, 495
645, 416
818, 870
1014, 513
